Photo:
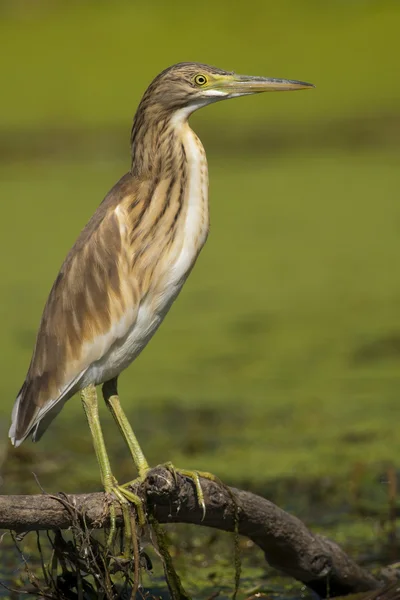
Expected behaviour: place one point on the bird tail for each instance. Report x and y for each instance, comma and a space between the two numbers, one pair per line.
29, 419
17, 437
32, 415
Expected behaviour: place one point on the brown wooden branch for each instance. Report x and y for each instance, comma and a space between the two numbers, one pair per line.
287, 543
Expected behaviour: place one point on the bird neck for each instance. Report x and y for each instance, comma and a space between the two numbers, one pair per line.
157, 140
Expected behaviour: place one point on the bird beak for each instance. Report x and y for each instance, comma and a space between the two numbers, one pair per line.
240, 85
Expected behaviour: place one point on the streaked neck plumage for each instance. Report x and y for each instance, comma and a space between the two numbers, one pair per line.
169, 162
157, 138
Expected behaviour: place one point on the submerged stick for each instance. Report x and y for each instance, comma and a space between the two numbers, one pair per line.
288, 544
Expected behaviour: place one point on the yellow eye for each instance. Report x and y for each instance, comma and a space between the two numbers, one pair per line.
200, 80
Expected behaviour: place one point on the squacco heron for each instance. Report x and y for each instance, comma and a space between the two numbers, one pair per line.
129, 263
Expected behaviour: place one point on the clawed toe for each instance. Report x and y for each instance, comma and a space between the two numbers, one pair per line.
195, 477
138, 503
116, 495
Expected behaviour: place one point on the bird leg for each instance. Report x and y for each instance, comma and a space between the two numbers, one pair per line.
110, 484
110, 394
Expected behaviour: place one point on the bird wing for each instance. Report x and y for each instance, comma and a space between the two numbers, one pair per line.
92, 304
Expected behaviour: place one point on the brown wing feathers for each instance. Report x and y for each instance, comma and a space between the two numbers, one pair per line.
109, 269
77, 310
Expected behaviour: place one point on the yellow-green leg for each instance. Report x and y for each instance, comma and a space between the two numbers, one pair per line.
110, 393
110, 484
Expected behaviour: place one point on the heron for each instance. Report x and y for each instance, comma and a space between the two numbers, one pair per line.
129, 264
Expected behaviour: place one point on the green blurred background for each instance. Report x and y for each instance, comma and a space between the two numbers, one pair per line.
279, 363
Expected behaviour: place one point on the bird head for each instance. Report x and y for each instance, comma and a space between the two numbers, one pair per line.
190, 86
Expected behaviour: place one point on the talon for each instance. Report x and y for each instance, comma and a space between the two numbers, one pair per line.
195, 477
199, 493
203, 506
170, 467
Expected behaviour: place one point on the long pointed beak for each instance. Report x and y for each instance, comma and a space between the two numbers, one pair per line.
245, 84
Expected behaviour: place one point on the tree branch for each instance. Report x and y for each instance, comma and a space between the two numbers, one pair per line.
287, 543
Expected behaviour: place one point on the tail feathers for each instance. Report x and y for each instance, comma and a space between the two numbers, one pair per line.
28, 417
42, 424
23, 416
37, 427
14, 420
33, 411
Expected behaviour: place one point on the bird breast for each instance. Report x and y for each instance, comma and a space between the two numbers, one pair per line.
171, 264
193, 229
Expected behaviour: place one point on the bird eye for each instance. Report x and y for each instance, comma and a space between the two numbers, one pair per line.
200, 79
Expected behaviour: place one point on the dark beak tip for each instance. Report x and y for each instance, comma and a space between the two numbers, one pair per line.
307, 85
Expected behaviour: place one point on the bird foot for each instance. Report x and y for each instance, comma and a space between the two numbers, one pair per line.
195, 477
119, 496
132, 498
